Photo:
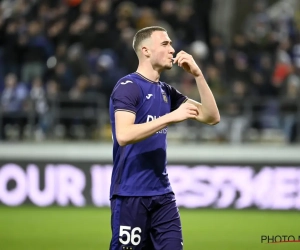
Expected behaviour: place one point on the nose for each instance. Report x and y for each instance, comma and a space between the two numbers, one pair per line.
172, 50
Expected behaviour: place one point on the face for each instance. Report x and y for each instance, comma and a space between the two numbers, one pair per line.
160, 50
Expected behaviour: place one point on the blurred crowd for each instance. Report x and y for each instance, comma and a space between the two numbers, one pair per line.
76, 50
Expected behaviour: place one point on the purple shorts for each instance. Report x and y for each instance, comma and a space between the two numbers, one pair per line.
145, 223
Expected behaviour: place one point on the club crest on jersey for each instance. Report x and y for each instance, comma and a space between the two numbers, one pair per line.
165, 98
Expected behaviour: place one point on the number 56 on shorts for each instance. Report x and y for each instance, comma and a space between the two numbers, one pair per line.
132, 235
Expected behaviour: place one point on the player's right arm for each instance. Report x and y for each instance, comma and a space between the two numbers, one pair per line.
127, 132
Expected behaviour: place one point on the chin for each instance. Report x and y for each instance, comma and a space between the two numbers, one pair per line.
169, 66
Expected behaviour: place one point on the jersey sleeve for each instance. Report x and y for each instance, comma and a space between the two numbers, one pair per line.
126, 96
177, 98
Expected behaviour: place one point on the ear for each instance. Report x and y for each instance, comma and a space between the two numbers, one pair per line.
145, 51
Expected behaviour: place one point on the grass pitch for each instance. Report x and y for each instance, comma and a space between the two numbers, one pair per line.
55, 228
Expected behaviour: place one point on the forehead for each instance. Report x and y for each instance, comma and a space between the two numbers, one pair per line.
160, 36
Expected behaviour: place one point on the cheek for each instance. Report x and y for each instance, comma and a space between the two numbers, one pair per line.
160, 54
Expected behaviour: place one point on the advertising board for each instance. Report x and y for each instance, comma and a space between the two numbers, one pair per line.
81, 183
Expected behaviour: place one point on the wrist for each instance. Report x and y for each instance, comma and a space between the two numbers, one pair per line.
198, 74
199, 77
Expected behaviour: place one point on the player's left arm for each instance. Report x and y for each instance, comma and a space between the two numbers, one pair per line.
208, 111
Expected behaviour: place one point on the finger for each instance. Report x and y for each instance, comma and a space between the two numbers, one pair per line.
192, 116
176, 59
178, 56
193, 112
181, 52
181, 55
191, 106
181, 61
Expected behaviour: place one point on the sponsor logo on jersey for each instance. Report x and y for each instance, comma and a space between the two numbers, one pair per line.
123, 83
149, 96
154, 117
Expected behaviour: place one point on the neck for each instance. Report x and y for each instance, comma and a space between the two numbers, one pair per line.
149, 72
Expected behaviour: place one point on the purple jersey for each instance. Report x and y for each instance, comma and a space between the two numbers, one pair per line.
140, 168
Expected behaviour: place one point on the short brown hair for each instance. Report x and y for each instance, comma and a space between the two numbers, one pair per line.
143, 34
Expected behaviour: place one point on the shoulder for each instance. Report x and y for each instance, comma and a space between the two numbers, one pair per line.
127, 80
125, 84
167, 87
127, 90
176, 96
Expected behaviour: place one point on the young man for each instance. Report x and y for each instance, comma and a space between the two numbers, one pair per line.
144, 211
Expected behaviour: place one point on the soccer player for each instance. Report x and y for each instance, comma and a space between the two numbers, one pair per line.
144, 212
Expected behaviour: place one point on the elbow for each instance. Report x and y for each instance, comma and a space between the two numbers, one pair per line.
122, 143
122, 140
214, 120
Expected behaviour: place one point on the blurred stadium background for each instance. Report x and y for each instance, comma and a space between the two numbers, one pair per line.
234, 182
